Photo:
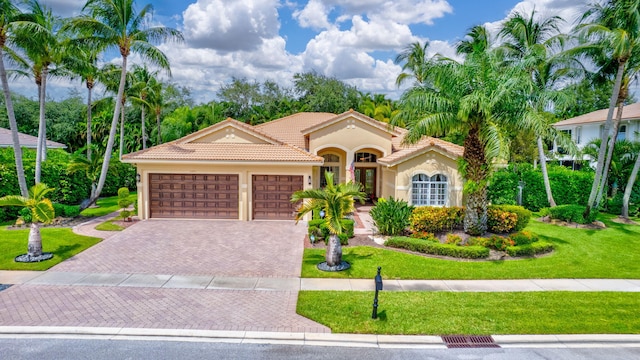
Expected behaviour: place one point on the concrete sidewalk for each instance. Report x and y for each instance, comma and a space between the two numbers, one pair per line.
296, 284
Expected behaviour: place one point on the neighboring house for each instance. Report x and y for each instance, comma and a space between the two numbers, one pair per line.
26, 141
232, 170
587, 127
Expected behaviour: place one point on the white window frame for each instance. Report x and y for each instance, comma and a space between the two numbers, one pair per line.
622, 134
429, 191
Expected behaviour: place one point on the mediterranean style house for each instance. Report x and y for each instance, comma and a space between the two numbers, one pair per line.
232, 170
587, 127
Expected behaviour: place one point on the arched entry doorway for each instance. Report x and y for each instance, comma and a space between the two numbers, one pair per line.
365, 172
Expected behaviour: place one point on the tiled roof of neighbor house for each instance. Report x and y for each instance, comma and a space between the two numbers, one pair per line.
26, 140
404, 152
629, 112
223, 152
229, 122
289, 129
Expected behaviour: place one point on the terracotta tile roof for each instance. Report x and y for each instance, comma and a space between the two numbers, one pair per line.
351, 113
629, 112
222, 152
290, 129
25, 140
404, 152
228, 122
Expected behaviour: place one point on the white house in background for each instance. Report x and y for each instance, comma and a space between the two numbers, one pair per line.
587, 127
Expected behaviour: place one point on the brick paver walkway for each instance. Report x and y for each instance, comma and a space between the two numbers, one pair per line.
168, 247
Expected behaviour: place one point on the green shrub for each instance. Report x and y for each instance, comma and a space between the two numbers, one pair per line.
123, 198
391, 216
344, 239
571, 213
26, 215
321, 231
478, 241
534, 248
436, 248
453, 239
524, 215
503, 187
423, 235
436, 219
499, 242
523, 238
58, 209
71, 211
614, 205
500, 221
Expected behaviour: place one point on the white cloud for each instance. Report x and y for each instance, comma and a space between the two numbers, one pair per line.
230, 25
64, 8
314, 15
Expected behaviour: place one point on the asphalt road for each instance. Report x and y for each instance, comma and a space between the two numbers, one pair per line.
72, 349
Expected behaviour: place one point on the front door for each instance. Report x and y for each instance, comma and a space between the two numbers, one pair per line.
367, 177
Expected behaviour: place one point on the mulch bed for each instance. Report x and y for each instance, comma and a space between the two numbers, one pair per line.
125, 224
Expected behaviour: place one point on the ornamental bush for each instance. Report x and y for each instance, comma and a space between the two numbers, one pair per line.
522, 214
571, 213
539, 247
500, 221
436, 219
436, 248
523, 238
391, 216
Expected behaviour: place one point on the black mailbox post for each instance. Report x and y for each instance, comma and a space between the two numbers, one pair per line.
378, 280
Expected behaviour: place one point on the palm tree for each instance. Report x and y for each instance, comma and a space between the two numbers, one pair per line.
627, 190
41, 211
41, 40
529, 42
140, 89
157, 103
615, 28
414, 63
476, 98
337, 201
9, 13
115, 23
90, 167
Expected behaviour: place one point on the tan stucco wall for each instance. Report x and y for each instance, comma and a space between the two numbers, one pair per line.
430, 163
230, 135
244, 172
350, 134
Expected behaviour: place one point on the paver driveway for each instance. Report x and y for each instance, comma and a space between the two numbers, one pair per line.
195, 247
173, 248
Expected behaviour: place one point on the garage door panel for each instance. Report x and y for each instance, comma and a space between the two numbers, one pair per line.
272, 194
202, 196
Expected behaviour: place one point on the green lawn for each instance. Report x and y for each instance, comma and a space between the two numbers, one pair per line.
62, 242
109, 226
443, 313
106, 206
607, 253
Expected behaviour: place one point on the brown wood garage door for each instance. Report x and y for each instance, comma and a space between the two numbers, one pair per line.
272, 194
201, 196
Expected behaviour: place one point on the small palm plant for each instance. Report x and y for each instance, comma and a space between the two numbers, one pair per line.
336, 201
41, 212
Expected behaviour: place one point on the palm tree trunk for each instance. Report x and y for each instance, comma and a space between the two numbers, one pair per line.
475, 218
159, 131
545, 174
121, 131
607, 163
627, 191
34, 246
89, 88
17, 149
42, 129
144, 131
604, 138
112, 135
334, 251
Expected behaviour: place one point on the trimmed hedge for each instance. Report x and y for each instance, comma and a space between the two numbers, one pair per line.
500, 221
62, 210
436, 219
539, 247
570, 213
523, 215
436, 248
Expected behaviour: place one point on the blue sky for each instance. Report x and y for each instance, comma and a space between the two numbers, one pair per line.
353, 40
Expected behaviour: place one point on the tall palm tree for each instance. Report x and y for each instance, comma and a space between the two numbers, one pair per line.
337, 201
414, 60
41, 211
41, 40
615, 27
9, 13
476, 98
157, 103
116, 23
626, 197
142, 80
530, 41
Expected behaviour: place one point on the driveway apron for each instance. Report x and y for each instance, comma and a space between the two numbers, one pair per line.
171, 249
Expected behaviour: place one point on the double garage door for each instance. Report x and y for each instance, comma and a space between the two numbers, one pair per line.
215, 196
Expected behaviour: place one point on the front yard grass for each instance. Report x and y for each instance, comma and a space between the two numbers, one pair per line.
444, 313
109, 226
106, 206
62, 242
580, 253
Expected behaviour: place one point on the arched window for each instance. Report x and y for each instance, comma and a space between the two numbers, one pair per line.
429, 191
365, 157
331, 164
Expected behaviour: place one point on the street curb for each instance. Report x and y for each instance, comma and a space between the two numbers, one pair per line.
312, 339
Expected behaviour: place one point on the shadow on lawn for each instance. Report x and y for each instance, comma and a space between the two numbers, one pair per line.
65, 251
